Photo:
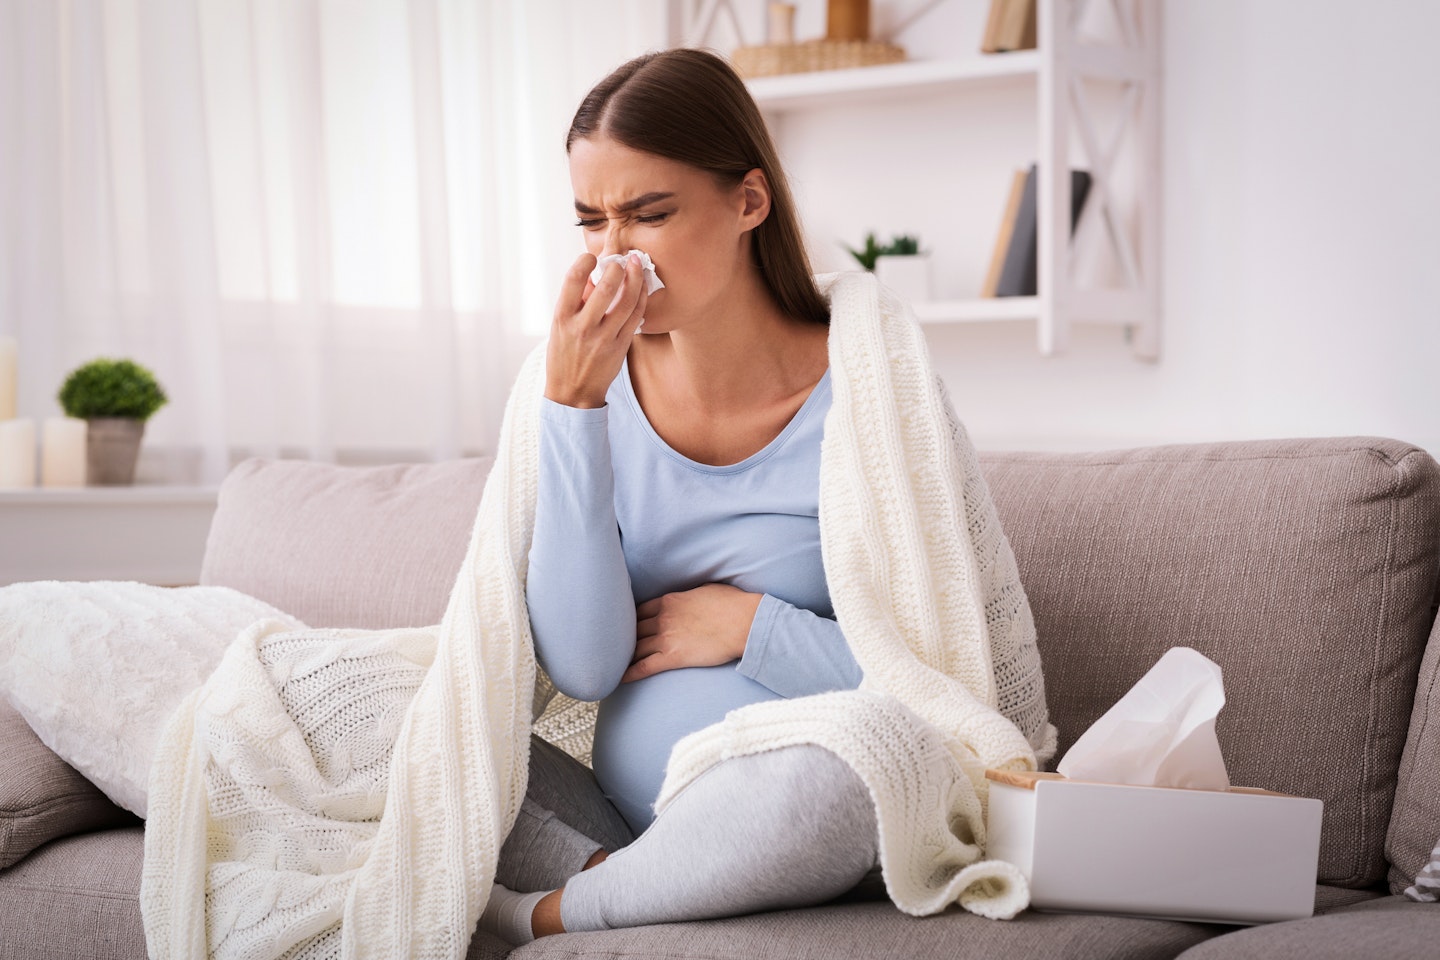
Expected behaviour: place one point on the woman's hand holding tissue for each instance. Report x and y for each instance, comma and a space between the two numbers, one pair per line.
703, 627
588, 342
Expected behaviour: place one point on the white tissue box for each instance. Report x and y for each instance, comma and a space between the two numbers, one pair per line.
1240, 856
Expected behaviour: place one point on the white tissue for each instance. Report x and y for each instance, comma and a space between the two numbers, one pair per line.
1161, 733
652, 282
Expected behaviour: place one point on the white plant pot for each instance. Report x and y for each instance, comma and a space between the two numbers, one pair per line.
908, 276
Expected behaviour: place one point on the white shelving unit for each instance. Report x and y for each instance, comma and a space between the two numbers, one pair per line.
1060, 69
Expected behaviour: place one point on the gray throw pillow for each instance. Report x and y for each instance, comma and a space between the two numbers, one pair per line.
42, 798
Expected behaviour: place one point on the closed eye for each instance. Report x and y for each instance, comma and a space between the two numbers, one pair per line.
593, 223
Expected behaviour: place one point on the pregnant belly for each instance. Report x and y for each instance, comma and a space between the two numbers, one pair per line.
638, 724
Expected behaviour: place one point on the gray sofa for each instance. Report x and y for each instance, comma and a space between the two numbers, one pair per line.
1306, 568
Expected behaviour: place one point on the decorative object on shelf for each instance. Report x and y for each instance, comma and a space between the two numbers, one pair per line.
1009, 26
866, 257
773, 60
116, 397
847, 20
900, 265
9, 377
900, 245
908, 274
781, 24
1018, 273
17, 454
62, 452
846, 44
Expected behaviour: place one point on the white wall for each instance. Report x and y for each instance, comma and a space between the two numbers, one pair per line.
1301, 247
1301, 232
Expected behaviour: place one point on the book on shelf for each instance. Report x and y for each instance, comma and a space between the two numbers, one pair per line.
1007, 227
1018, 271
1010, 25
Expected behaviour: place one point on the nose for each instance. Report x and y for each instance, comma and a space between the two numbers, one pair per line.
615, 236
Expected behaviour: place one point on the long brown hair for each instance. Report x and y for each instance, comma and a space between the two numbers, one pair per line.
689, 105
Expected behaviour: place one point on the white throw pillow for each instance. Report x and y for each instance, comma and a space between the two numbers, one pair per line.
1426, 887
97, 667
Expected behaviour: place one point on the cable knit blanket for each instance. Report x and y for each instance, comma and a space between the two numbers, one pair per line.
345, 793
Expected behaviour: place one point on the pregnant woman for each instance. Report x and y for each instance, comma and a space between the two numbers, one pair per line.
675, 573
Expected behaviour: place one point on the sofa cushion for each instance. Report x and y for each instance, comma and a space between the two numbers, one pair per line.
880, 930
1415, 821
80, 897
1327, 898
41, 796
76, 897
285, 531
1305, 568
1387, 926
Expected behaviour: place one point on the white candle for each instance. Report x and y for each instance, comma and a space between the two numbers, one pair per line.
17, 454
9, 376
62, 452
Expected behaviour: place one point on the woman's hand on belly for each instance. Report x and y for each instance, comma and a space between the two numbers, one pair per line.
703, 627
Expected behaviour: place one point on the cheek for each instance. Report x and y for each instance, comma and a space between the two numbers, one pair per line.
684, 253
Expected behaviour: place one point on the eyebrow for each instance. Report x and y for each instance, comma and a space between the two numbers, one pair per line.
645, 199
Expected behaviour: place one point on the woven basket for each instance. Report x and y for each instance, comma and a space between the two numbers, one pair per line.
776, 58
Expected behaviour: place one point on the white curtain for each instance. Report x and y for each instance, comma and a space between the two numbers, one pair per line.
331, 228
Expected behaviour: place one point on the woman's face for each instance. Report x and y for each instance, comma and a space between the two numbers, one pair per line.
694, 229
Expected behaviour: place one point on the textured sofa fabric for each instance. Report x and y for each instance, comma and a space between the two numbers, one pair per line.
367, 547
1415, 822
1388, 926
1305, 568
41, 796
876, 930
76, 897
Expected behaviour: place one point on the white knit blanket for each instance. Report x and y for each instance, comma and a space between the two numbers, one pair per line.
345, 793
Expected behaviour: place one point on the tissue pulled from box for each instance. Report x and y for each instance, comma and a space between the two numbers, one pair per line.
1161, 733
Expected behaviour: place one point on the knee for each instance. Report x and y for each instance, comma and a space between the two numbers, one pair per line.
823, 790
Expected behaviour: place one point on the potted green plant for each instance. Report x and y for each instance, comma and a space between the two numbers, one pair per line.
115, 397
900, 265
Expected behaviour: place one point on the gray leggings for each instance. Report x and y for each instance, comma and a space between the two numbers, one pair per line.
785, 828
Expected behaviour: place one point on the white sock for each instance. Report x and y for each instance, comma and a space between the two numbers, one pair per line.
507, 914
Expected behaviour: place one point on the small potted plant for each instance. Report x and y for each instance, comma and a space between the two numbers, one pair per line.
899, 265
116, 397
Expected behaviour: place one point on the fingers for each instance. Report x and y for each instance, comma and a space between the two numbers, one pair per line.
605, 293
641, 669
645, 648
585, 352
646, 658
637, 315
615, 297
572, 289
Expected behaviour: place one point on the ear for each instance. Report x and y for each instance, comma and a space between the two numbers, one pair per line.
756, 192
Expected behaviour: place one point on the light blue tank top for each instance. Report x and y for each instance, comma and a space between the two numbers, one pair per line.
622, 518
